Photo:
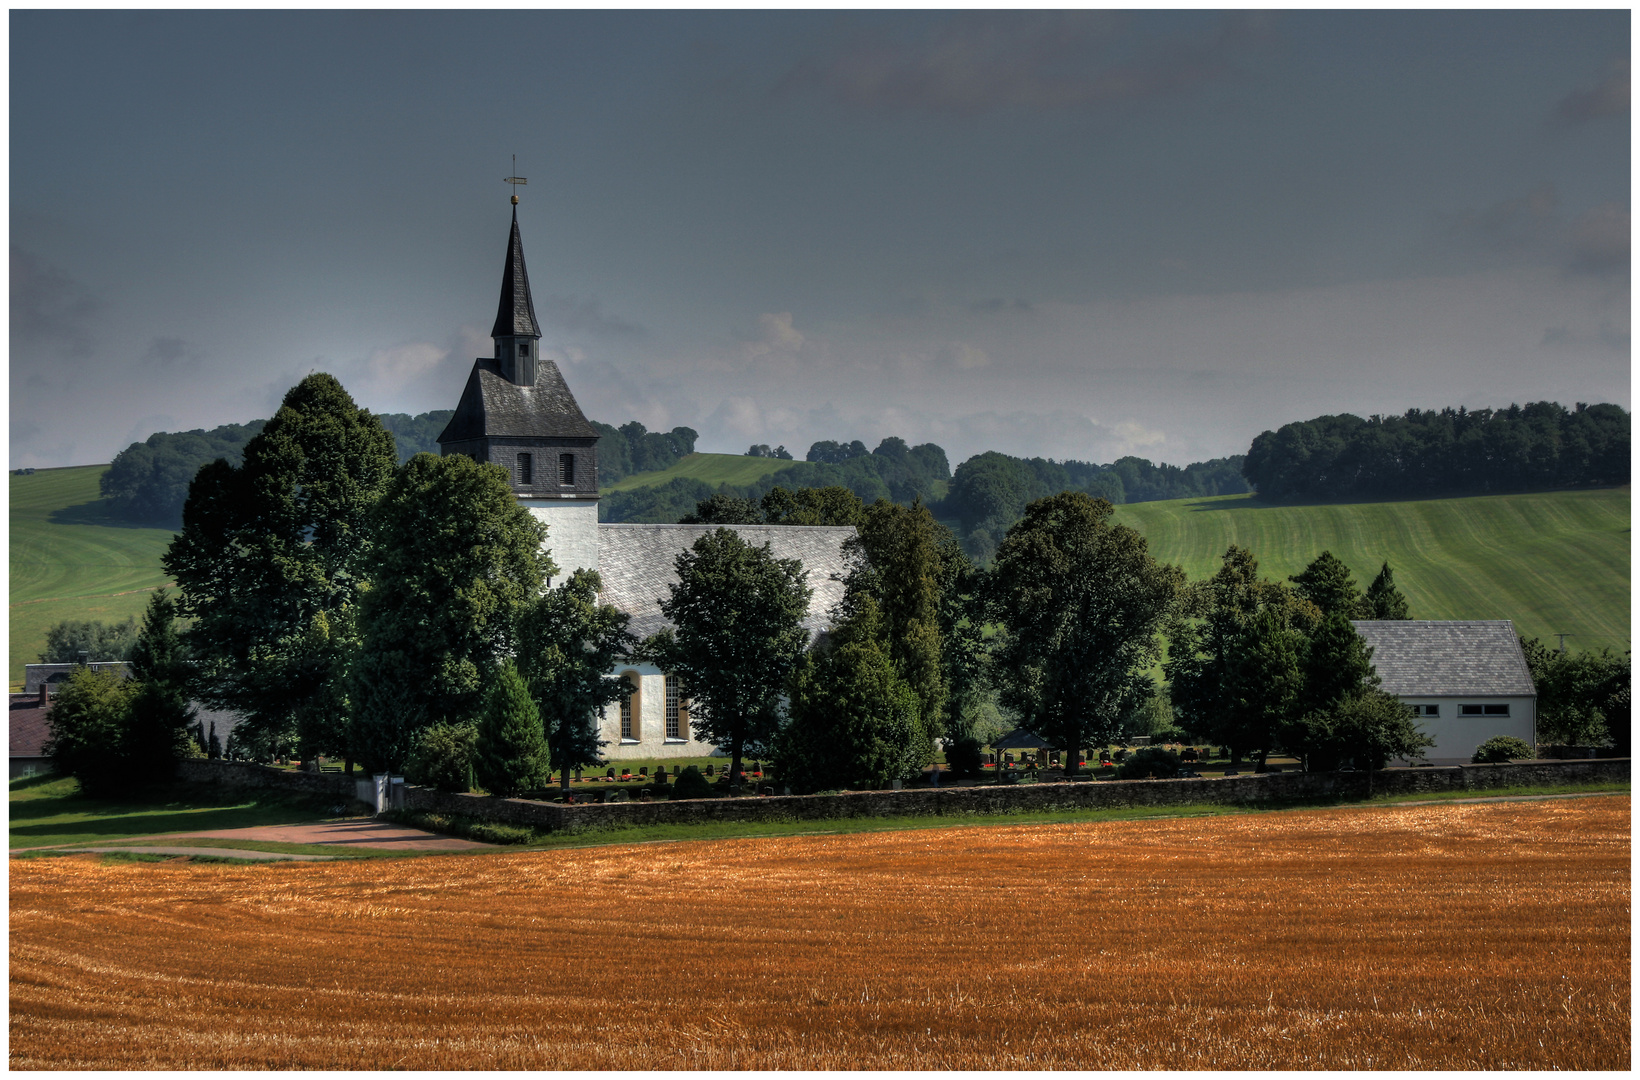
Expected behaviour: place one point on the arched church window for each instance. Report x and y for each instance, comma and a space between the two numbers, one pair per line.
566, 469
677, 710
526, 469
631, 709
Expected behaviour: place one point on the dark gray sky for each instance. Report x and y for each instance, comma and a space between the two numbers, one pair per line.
1075, 234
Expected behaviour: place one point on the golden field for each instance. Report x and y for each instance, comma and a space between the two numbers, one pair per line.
1431, 937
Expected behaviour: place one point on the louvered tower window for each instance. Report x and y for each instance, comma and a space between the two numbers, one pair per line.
566, 469
526, 469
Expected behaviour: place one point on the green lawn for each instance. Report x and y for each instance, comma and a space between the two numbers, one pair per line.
71, 560
1553, 562
712, 468
50, 812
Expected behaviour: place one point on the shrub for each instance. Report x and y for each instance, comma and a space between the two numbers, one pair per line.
511, 751
88, 720
1501, 748
1149, 761
690, 784
443, 757
964, 757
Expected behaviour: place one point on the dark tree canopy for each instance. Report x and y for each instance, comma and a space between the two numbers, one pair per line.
1583, 696
737, 613
1327, 584
148, 481
97, 640
457, 563
1442, 452
1081, 603
1383, 599
268, 547
510, 755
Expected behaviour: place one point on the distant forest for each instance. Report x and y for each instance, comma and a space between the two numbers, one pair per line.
1449, 452
1446, 452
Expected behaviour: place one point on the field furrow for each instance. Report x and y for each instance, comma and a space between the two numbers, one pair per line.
1431, 937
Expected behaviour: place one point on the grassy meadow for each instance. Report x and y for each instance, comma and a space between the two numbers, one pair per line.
712, 468
71, 560
1431, 937
1555, 561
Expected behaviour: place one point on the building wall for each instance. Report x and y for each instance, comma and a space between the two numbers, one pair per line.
1456, 736
650, 717
572, 532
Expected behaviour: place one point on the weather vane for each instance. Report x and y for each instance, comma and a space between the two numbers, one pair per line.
514, 180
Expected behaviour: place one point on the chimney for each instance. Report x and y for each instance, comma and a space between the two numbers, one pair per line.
43, 700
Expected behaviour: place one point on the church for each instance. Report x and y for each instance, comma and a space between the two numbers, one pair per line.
518, 412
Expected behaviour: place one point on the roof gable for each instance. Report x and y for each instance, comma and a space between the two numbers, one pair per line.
638, 563
492, 405
1440, 658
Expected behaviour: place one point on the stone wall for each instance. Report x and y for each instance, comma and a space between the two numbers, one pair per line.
243, 774
1248, 790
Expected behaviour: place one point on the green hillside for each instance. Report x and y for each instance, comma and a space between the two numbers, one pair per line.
1553, 561
70, 560
712, 468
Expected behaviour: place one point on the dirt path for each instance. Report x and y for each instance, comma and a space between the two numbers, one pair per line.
356, 834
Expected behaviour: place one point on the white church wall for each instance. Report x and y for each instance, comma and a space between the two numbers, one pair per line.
649, 718
572, 533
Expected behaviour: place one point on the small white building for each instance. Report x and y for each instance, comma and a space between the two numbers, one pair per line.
1466, 680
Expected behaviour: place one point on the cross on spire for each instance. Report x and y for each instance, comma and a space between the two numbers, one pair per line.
514, 180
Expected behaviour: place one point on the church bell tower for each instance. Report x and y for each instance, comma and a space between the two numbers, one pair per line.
517, 412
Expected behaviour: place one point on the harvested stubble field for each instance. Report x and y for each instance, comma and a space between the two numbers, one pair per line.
1445, 937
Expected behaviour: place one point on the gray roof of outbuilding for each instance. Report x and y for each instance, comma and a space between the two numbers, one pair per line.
637, 564
515, 314
492, 405
1430, 658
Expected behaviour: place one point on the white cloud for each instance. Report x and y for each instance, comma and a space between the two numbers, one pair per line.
963, 356
399, 364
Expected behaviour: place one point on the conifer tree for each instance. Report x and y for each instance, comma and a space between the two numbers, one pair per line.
157, 731
1327, 584
511, 754
1383, 599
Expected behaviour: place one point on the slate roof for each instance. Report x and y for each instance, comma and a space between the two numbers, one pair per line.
1429, 658
637, 564
26, 726
492, 405
515, 314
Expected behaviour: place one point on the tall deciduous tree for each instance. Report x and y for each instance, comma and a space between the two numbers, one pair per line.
1081, 602
1216, 694
1383, 599
457, 563
568, 645
269, 545
736, 614
899, 562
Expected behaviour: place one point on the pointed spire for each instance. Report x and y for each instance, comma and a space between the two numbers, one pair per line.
515, 315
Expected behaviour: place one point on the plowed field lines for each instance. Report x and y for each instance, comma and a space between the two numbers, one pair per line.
1435, 937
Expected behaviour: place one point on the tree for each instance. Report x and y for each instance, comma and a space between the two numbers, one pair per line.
568, 644
1327, 584
1368, 728
69, 639
87, 721
1383, 599
158, 728
898, 559
722, 509
1081, 602
1583, 697
457, 563
443, 757
835, 505
1216, 694
853, 719
267, 546
511, 754
736, 614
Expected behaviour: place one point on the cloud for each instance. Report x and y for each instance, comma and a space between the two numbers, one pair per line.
1608, 97
998, 305
48, 307
962, 356
1600, 241
399, 364
778, 340
577, 316
1526, 224
171, 354
976, 63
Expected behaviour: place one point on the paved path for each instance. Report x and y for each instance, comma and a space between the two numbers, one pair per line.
362, 834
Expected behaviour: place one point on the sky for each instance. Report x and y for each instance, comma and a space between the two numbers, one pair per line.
1078, 235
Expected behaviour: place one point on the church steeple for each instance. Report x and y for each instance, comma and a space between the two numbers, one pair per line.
516, 332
